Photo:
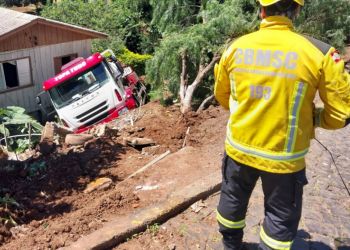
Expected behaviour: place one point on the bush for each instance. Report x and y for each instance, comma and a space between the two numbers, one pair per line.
14, 121
136, 60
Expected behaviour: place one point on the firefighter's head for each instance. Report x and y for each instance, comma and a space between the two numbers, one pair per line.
288, 8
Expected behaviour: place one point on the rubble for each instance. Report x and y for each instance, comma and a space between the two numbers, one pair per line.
25, 156
146, 187
46, 145
58, 186
98, 184
60, 133
104, 130
152, 150
3, 154
77, 139
135, 141
198, 206
132, 130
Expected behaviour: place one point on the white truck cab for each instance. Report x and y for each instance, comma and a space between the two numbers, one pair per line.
86, 92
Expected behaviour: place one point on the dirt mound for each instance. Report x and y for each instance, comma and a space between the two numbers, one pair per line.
49, 208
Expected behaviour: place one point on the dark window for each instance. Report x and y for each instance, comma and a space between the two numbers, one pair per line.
62, 60
11, 76
15, 73
65, 59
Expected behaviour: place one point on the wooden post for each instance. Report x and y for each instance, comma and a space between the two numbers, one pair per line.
187, 133
30, 134
3, 125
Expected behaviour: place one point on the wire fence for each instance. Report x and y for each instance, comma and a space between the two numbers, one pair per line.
4, 138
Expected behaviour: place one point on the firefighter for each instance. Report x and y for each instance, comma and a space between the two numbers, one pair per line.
268, 80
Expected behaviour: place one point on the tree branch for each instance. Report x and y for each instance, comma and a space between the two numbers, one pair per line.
204, 103
183, 78
203, 70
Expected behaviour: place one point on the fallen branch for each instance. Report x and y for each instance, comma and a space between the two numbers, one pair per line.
204, 103
187, 133
148, 165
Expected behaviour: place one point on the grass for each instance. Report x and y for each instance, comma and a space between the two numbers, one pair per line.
183, 230
153, 229
8, 201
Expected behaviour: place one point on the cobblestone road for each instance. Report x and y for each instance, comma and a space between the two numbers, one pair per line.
326, 209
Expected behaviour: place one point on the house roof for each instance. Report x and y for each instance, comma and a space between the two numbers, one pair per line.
13, 21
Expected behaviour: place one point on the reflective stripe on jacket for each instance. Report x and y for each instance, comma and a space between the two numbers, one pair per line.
268, 79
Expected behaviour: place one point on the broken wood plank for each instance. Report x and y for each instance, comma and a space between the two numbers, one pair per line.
135, 141
148, 165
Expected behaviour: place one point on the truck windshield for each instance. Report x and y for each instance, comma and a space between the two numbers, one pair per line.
78, 86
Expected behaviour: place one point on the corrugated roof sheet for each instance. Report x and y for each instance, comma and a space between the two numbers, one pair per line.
11, 20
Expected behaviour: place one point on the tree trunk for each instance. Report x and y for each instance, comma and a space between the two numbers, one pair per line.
183, 79
186, 91
186, 103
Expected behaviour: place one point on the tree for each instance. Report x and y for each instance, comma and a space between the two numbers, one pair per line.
121, 20
110, 18
185, 57
326, 20
195, 33
171, 16
186, 37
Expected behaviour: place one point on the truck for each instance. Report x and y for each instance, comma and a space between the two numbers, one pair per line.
93, 90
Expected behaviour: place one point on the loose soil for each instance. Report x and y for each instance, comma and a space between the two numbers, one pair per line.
51, 209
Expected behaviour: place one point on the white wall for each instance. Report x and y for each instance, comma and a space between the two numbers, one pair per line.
23, 66
42, 64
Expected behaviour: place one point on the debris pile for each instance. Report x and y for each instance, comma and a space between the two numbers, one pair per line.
68, 180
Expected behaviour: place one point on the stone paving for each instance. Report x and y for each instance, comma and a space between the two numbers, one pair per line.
326, 210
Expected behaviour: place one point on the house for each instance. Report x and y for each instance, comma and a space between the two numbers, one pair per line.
33, 49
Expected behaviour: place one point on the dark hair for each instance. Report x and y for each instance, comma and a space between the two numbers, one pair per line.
282, 8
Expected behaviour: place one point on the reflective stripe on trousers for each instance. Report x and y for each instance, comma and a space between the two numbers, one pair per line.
228, 223
274, 244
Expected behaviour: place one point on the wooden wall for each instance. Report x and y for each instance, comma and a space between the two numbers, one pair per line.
42, 64
40, 34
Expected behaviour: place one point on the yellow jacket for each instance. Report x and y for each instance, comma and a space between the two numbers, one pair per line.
268, 79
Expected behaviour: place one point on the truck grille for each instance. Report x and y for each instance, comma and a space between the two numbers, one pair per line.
97, 119
93, 112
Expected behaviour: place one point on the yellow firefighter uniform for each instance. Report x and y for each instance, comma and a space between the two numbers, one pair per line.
268, 79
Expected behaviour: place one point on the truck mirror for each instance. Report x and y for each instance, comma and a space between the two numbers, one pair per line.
38, 100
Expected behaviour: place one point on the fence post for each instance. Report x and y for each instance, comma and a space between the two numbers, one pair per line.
30, 135
3, 125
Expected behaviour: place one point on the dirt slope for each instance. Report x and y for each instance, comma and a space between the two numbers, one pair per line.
54, 211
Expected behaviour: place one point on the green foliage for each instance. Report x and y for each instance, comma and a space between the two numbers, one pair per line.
327, 20
201, 28
155, 94
36, 168
219, 23
153, 229
110, 18
170, 16
14, 121
183, 230
8, 201
137, 60
121, 20
206, 27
